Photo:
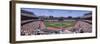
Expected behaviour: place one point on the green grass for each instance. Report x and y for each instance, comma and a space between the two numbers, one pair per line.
63, 24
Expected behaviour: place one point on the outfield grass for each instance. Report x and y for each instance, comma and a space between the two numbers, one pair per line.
63, 24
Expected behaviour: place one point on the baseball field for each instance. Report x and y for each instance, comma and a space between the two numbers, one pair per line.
63, 24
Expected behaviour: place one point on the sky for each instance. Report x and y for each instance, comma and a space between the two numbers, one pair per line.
56, 12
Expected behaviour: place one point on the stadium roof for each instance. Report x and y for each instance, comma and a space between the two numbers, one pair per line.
27, 13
